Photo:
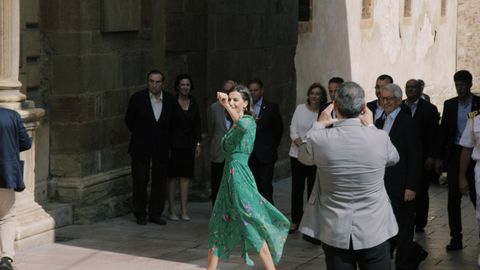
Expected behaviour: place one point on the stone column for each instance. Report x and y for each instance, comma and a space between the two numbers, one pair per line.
10, 95
34, 225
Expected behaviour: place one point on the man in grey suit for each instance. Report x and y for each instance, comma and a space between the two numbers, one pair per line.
349, 209
217, 127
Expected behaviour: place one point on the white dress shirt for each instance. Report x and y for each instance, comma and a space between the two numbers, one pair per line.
471, 137
378, 111
157, 104
413, 106
390, 118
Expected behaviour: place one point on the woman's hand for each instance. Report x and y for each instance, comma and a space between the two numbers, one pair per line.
223, 99
297, 141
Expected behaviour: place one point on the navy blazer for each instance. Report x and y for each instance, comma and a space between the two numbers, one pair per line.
150, 139
407, 172
269, 132
448, 127
372, 106
427, 119
13, 140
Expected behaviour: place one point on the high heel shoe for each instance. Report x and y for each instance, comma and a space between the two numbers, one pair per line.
293, 229
173, 217
184, 217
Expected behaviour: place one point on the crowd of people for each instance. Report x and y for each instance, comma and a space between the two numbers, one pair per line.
357, 207
363, 209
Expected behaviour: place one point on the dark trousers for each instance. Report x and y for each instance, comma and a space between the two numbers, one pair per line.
375, 258
299, 173
216, 178
141, 177
422, 199
454, 194
403, 241
263, 173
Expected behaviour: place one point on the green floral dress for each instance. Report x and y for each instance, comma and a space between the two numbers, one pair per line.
241, 215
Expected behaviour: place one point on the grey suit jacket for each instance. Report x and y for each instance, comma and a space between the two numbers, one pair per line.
349, 200
216, 129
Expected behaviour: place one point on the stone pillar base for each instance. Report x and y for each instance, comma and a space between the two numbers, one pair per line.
97, 197
35, 227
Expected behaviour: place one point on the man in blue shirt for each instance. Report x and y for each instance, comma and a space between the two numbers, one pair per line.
454, 120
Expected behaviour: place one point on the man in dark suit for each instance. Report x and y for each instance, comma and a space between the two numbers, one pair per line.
149, 120
374, 105
454, 120
333, 84
13, 140
426, 117
267, 139
217, 127
401, 180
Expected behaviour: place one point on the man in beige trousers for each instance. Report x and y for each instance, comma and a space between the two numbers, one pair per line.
13, 140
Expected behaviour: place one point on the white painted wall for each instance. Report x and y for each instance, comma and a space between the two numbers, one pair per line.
324, 52
421, 46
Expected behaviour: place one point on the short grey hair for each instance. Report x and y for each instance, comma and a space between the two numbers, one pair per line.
395, 89
350, 99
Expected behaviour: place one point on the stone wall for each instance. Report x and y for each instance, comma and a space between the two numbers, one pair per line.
30, 74
418, 44
249, 39
468, 38
185, 52
421, 45
96, 54
219, 40
81, 60
323, 51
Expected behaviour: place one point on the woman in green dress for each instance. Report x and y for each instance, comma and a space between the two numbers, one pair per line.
241, 216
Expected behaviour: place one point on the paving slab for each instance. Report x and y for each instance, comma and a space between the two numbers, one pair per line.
120, 243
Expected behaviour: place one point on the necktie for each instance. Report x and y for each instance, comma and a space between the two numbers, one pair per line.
380, 121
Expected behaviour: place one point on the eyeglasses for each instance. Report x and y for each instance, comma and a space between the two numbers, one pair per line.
388, 99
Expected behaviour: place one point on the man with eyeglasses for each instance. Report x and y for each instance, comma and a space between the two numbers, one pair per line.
425, 115
401, 180
374, 105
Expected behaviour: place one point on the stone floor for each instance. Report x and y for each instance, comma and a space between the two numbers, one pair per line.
119, 243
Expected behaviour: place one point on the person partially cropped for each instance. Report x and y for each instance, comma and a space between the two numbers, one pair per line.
303, 118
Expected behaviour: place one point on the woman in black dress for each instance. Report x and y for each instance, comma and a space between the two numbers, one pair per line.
185, 145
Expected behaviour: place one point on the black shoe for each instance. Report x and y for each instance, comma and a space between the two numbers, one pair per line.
420, 229
158, 220
422, 255
141, 219
293, 229
6, 263
311, 240
455, 244
419, 258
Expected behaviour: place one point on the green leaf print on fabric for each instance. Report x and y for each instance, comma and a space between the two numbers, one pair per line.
241, 216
